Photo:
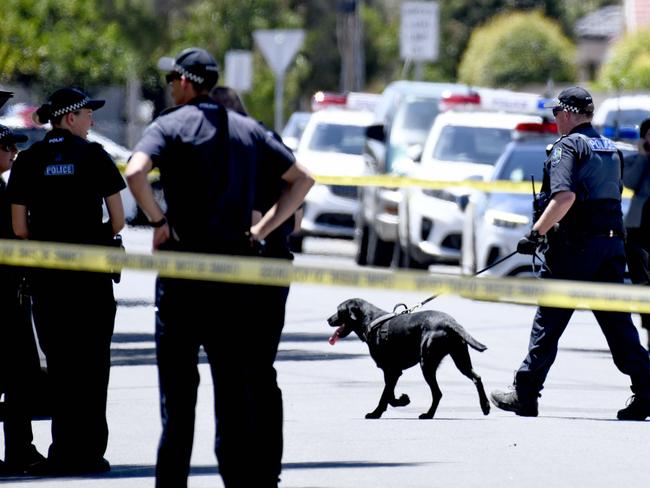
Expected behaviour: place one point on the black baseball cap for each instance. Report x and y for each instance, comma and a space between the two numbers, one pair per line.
9, 137
4, 96
65, 101
575, 99
195, 64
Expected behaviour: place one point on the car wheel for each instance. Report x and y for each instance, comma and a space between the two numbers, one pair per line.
379, 252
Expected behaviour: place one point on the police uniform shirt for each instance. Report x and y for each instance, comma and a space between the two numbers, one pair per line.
6, 231
588, 165
63, 180
209, 160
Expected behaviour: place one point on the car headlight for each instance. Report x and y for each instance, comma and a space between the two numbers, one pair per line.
509, 220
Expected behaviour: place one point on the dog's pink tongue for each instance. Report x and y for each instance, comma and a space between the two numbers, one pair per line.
335, 336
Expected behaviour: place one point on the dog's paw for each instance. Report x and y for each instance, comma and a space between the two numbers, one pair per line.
486, 409
425, 416
402, 401
373, 415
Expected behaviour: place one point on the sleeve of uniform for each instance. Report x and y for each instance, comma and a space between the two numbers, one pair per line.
635, 171
276, 157
152, 142
18, 187
564, 157
110, 179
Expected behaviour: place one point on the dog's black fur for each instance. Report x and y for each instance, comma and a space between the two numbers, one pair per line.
406, 340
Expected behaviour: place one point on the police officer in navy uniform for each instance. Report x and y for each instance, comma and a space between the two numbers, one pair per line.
19, 361
271, 300
57, 189
209, 161
583, 225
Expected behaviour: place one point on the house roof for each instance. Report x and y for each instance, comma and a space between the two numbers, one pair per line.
606, 22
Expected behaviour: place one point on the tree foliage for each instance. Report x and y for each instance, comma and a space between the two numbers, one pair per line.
64, 42
515, 49
628, 67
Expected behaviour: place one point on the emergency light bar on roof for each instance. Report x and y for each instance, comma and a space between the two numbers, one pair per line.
351, 100
535, 128
455, 101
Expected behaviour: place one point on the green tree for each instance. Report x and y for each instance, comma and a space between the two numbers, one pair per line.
62, 42
518, 48
628, 67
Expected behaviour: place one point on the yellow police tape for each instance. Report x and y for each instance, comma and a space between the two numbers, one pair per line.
564, 294
394, 181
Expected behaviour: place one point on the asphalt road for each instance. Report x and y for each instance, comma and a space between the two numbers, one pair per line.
575, 442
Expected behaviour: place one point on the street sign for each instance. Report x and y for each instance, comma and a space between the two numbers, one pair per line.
239, 70
279, 46
419, 31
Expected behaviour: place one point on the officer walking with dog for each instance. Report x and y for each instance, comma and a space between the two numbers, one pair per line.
209, 161
57, 189
19, 362
583, 181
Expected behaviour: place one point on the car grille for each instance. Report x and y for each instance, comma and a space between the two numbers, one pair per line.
452, 241
336, 219
345, 191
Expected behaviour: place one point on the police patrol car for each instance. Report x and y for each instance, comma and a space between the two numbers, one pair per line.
461, 145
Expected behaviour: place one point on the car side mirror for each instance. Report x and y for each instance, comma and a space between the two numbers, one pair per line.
376, 132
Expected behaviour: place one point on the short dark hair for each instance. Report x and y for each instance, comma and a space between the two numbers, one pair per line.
643, 128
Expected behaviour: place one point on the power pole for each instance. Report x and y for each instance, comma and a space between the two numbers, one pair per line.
349, 31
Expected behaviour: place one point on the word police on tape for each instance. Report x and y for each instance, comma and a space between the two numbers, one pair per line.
564, 294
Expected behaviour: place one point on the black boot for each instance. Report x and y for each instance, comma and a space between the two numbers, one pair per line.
637, 409
510, 401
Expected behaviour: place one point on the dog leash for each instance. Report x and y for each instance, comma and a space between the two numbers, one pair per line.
424, 302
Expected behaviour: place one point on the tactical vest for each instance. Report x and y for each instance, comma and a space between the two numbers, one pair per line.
601, 176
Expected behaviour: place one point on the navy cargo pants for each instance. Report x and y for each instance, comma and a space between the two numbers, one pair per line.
598, 259
239, 329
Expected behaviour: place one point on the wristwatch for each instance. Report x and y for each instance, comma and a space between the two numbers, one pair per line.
158, 223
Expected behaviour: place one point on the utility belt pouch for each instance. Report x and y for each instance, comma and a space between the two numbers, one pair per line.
116, 241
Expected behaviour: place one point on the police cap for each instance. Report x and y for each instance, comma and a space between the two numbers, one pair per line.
9, 137
195, 64
65, 101
575, 99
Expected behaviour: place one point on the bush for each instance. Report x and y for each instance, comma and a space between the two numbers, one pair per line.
515, 49
628, 67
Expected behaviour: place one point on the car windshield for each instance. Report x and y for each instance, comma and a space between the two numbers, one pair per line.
481, 145
626, 117
347, 139
413, 121
296, 125
522, 162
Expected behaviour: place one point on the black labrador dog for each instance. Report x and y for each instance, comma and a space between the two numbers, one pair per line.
399, 341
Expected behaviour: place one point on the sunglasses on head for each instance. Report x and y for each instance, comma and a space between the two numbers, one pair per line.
169, 77
8, 147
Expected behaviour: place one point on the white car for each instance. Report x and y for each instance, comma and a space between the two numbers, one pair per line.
332, 144
460, 146
620, 117
294, 129
494, 222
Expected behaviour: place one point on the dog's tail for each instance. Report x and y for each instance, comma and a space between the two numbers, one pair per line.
469, 340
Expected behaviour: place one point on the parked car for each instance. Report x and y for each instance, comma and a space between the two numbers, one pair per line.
294, 128
494, 222
332, 144
619, 117
462, 145
402, 119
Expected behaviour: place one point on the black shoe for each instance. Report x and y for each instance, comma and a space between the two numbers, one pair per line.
636, 409
52, 468
20, 462
509, 401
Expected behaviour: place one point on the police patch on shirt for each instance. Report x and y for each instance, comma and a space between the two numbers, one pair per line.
556, 156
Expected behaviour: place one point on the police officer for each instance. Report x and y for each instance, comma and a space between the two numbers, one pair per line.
19, 362
582, 177
209, 161
271, 300
636, 176
57, 188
